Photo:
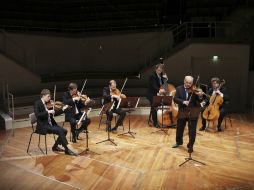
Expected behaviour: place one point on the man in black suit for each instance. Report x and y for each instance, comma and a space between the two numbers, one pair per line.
108, 96
156, 80
185, 100
215, 82
47, 124
72, 98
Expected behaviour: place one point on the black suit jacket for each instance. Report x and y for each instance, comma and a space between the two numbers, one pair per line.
153, 85
71, 111
180, 96
42, 117
225, 97
107, 97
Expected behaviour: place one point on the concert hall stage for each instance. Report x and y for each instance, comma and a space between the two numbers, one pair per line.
146, 162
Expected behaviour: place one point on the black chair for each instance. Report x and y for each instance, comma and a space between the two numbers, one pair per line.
33, 120
103, 114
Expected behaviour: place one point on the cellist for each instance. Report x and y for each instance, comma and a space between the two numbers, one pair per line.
215, 83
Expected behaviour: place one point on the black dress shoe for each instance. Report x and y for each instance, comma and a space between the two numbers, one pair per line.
114, 129
202, 129
176, 145
58, 149
69, 152
219, 129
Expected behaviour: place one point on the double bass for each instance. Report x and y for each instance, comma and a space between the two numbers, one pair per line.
169, 116
212, 111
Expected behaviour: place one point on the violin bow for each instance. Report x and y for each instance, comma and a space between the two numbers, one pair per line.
124, 85
83, 86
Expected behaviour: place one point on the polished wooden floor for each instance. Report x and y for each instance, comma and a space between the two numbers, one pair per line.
146, 162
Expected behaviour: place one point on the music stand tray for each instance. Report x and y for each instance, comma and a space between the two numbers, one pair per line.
190, 113
129, 103
160, 102
107, 107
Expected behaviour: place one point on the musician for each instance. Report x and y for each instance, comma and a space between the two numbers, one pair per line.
156, 80
184, 97
215, 83
73, 113
46, 123
111, 93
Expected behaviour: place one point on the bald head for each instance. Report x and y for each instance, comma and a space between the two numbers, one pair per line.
188, 81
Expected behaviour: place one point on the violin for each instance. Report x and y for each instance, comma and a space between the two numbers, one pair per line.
83, 98
196, 90
57, 105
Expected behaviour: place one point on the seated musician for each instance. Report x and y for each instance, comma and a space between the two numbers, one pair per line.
111, 93
73, 113
215, 82
156, 80
47, 124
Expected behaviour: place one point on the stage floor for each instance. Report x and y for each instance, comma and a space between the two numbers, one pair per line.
146, 162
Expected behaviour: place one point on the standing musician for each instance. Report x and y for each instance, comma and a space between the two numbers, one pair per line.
76, 101
215, 82
111, 93
156, 80
186, 97
47, 124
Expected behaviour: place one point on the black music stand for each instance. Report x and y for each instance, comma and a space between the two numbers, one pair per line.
107, 107
161, 101
190, 113
129, 103
84, 116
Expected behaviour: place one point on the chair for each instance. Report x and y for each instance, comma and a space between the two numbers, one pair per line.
33, 120
102, 114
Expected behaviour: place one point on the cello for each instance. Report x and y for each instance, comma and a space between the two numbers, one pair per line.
168, 116
212, 111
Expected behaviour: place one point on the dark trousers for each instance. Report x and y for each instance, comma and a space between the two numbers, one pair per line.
73, 122
223, 112
61, 132
153, 113
192, 125
121, 114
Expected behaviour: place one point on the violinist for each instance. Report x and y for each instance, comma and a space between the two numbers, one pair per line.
215, 83
156, 80
76, 102
186, 97
47, 124
111, 93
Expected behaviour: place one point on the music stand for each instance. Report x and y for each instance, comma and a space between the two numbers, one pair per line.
84, 116
161, 101
190, 113
129, 103
107, 107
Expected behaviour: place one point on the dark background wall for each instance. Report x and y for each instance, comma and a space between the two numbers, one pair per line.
194, 58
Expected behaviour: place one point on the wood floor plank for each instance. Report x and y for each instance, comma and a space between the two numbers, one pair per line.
146, 162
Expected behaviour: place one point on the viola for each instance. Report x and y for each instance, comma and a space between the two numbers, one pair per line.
117, 92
